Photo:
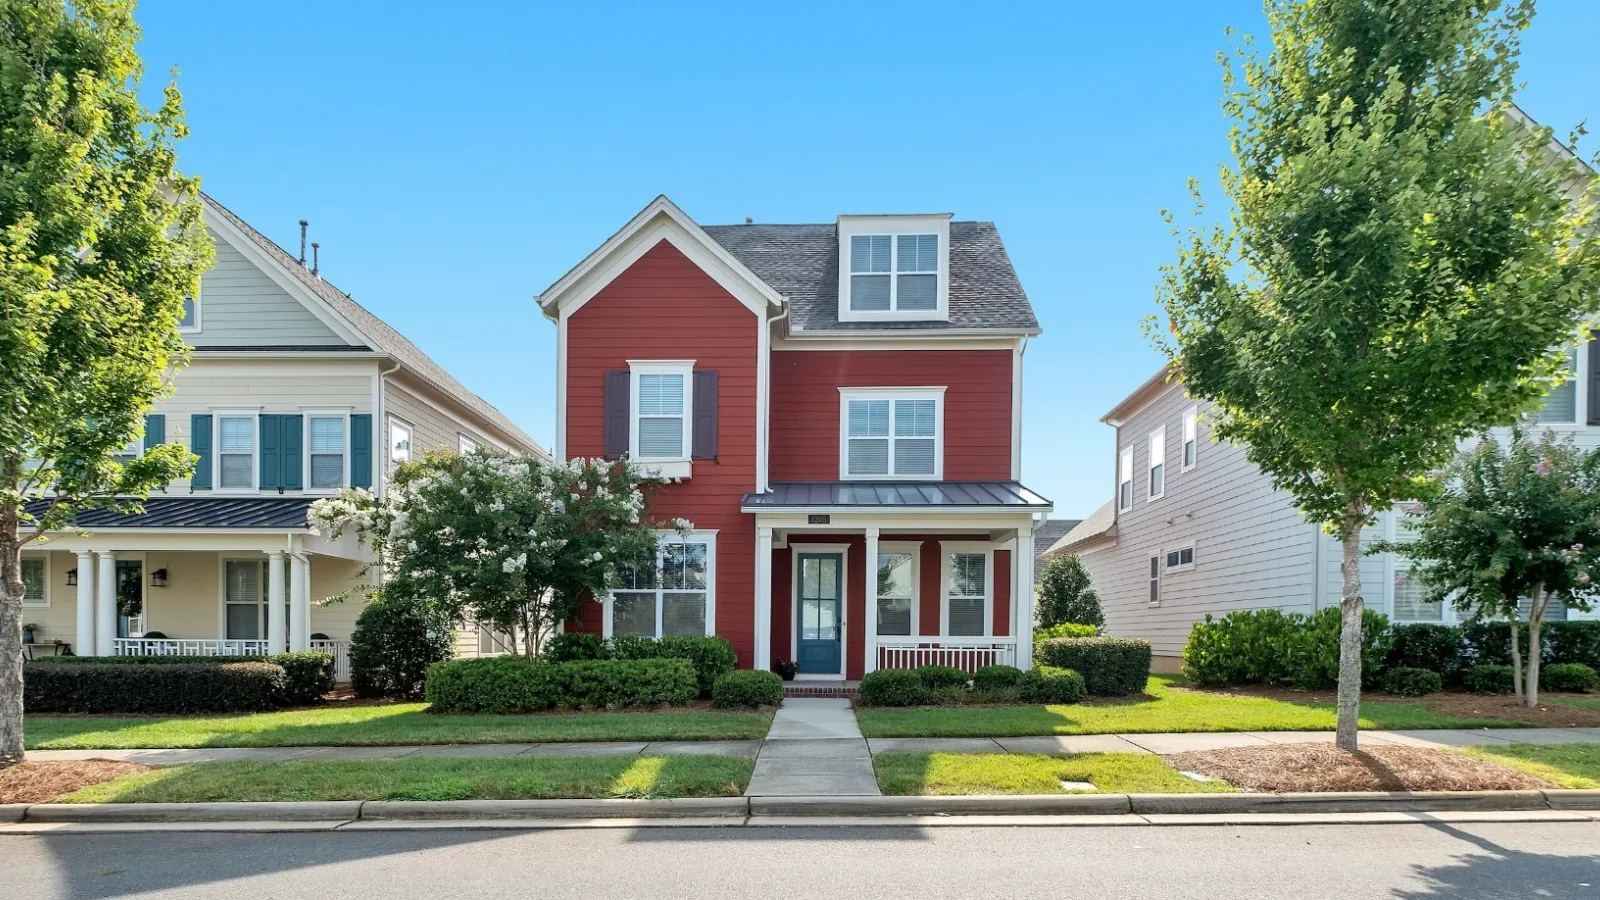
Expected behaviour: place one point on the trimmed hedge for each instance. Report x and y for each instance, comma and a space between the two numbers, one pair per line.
747, 688
894, 687
711, 657
1571, 678
154, 687
309, 673
938, 677
1111, 667
1574, 642
995, 678
1436, 648
1408, 681
394, 643
511, 684
145, 660
1269, 646
1489, 679
1048, 684
570, 646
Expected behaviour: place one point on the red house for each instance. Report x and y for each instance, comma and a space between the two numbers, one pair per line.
822, 396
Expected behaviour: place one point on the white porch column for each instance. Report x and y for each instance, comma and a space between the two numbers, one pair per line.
871, 629
105, 613
277, 629
1023, 601
763, 636
85, 641
300, 602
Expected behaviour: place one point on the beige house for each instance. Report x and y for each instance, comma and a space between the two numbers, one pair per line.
293, 391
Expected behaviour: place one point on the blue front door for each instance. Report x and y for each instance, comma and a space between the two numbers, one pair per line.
820, 614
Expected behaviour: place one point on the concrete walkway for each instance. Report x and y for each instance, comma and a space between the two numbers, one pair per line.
824, 729
814, 749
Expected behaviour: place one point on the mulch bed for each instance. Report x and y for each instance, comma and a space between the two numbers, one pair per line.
41, 782
1448, 703
1322, 767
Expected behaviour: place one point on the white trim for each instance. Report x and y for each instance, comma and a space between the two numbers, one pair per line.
915, 549
44, 558
708, 537
895, 228
217, 415
388, 440
795, 549
306, 415
1125, 477
1190, 434
466, 443
198, 323
685, 368
1153, 576
944, 339
1151, 463
1166, 560
763, 399
763, 570
1016, 409
946, 549
891, 394
561, 386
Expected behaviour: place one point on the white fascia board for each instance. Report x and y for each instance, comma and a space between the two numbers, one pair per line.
873, 516
878, 341
905, 335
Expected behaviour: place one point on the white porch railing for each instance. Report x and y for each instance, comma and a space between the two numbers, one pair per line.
965, 653
339, 650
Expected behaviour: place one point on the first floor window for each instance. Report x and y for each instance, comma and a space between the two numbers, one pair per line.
492, 642
34, 572
670, 596
246, 599
894, 592
896, 437
236, 452
1125, 480
399, 441
1155, 579
327, 451
968, 596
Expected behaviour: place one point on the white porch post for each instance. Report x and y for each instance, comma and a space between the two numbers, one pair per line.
300, 602
276, 627
106, 605
871, 623
85, 641
763, 636
1024, 600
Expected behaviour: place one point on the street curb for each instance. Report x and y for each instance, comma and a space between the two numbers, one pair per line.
336, 810
697, 807
981, 805
12, 812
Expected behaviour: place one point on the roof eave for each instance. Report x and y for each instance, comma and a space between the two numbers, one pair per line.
1158, 382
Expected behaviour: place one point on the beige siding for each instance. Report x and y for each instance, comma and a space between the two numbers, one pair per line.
431, 427
331, 577
240, 306
59, 620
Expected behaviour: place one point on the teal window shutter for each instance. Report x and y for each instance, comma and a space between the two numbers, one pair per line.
361, 450
293, 461
155, 430
200, 445
271, 462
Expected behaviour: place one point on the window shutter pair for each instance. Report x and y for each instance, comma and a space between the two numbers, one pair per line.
619, 409
281, 458
1594, 382
281, 449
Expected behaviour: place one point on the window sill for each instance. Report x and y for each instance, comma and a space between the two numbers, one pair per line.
676, 468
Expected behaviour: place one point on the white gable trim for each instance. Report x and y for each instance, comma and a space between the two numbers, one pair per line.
662, 220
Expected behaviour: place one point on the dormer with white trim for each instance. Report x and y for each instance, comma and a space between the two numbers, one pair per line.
894, 268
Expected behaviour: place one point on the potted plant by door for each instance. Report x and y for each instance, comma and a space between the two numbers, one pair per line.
785, 669
29, 633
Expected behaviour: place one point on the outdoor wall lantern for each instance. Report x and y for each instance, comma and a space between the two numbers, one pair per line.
158, 578
72, 577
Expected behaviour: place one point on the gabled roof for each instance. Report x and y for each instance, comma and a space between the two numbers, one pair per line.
802, 263
377, 333
1101, 523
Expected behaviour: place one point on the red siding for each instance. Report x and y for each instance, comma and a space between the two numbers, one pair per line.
665, 307
805, 407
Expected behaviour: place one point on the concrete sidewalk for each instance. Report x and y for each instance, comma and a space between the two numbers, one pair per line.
829, 732
814, 749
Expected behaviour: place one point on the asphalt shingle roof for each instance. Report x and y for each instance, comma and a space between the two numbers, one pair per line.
200, 512
801, 262
1046, 533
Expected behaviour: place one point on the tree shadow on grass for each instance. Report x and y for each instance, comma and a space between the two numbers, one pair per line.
1501, 872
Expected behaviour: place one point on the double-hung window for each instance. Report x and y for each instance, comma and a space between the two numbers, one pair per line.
1125, 480
896, 587
399, 441
1409, 600
1155, 579
245, 599
892, 433
35, 581
1158, 463
236, 452
466, 445
1561, 404
968, 583
326, 456
894, 272
662, 401
672, 594
1191, 438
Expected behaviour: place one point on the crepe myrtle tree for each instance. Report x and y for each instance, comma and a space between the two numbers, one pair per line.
515, 542
1512, 522
1400, 268
100, 242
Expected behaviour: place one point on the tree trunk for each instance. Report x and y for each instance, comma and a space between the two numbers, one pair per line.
10, 639
1516, 652
1530, 699
1350, 606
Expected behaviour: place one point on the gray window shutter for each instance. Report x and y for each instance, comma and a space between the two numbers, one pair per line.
617, 410
1594, 382
705, 415
200, 445
293, 466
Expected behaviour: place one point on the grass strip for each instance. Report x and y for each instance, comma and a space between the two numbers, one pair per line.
1563, 765
917, 774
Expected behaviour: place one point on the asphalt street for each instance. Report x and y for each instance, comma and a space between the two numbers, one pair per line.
1461, 862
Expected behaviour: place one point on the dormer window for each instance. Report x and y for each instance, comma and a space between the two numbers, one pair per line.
893, 268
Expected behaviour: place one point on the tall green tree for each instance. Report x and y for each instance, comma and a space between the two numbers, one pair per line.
1400, 266
1066, 594
100, 242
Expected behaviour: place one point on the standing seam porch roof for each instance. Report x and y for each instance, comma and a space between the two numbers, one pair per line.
1007, 495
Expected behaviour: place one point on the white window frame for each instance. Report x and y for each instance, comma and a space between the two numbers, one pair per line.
709, 539
670, 466
1154, 577
135, 448
946, 550
894, 226
1150, 464
466, 444
196, 327
262, 608
1167, 563
936, 394
1125, 477
411, 442
44, 560
306, 415
1395, 565
1580, 391
254, 415
915, 549
1190, 450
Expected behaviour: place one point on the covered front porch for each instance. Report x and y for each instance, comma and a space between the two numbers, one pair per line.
854, 577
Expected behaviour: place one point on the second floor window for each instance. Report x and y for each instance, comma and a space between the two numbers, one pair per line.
399, 442
890, 434
1158, 463
661, 404
894, 272
1125, 480
191, 313
236, 452
1191, 433
326, 443
1561, 404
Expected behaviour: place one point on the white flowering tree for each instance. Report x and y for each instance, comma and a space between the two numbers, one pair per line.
508, 541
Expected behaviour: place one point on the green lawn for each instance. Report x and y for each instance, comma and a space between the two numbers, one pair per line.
517, 778
1166, 709
1563, 765
1000, 773
1579, 702
402, 723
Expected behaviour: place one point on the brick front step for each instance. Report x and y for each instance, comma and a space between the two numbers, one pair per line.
821, 688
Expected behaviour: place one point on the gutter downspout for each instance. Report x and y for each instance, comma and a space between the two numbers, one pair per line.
382, 413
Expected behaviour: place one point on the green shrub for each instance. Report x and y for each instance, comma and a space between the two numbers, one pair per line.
894, 687
938, 677
394, 643
747, 688
995, 678
1412, 682
147, 660
1065, 629
1111, 667
1316, 649
1574, 642
1253, 646
1489, 679
574, 645
1571, 678
1066, 595
619, 683
309, 674
631, 646
1426, 646
154, 688
1489, 643
1048, 684
712, 657
495, 684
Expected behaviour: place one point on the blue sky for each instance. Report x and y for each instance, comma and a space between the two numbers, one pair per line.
454, 162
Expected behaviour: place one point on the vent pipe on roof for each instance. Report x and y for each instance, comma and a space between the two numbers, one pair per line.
303, 224
315, 266
749, 221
